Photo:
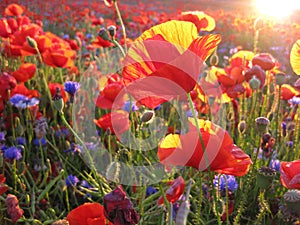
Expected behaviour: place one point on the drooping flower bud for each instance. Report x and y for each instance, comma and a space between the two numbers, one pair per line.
58, 101
104, 34
31, 42
112, 30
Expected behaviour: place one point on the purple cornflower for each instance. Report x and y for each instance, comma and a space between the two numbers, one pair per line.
12, 153
71, 181
127, 104
63, 132
223, 179
150, 191
2, 136
23, 102
275, 164
39, 141
71, 87
75, 148
21, 141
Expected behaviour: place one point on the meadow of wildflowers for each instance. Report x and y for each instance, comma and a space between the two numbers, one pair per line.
162, 112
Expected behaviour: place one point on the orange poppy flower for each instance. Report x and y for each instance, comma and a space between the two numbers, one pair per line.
290, 175
295, 57
87, 214
165, 61
58, 56
221, 155
25, 72
288, 92
202, 21
117, 122
13, 10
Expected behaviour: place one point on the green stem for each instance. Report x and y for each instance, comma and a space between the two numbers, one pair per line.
122, 24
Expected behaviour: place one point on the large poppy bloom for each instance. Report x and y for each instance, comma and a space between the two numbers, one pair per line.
165, 62
87, 214
174, 192
265, 60
59, 56
295, 57
290, 175
221, 155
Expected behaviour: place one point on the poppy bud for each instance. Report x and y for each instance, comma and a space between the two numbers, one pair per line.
58, 101
31, 42
112, 30
214, 59
103, 34
258, 24
292, 200
221, 207
261, 124
265, 177
147, 116
254, 83
242, 126
61, 222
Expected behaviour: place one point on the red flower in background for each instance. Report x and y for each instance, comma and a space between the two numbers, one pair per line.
258, 72
7, 82
265, 60
107, 97
25, 72
87, 214
5, 29
174, 192
13, 10
288, 92
119, 209
100, 42
3, 188
52, 88
59, 56
117, 122
22, 89
290, 174
222, 155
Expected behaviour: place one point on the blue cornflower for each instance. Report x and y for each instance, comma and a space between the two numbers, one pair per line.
71, 87
22, 102
74, 148
150, 191
189, 113
223, 179
37, 142
289, 144
295, 100
66, 36
71, 181
21, 141
275, 164
88, 36
157, 107
85, 184
126, 106
12, 153
2, 136
63, 132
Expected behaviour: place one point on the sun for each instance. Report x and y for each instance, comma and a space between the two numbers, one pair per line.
277, 8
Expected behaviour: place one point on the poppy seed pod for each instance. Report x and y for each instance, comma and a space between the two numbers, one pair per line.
265, 177
261, 124
103, 34
112, 30
254, 83
58, 101
292, 200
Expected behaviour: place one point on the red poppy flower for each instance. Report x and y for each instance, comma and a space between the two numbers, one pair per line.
108, 95
52, 88
165, 62
87, 214
117, 122
7, 82
100, 42
58, 56
221, 155
119, 209
22, 89
290, 174
13, 10
258, 72
265, 60
202, 21
25, 72
3, 188
5, 29
288, 92
174, 192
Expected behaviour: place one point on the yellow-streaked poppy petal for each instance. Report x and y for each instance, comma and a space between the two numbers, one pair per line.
210, 21
243, 54
171, 141
295, 57
179, 33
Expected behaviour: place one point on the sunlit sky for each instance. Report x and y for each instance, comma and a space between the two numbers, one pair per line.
277, 8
